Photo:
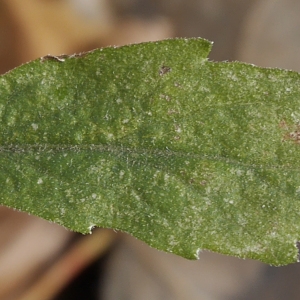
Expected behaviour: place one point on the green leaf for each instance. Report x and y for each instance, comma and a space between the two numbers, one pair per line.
157, 141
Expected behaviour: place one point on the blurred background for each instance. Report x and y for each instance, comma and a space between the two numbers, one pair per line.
40, 260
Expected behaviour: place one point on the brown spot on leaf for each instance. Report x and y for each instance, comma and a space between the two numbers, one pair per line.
292, 132
59, 58
295, 136
283, 124
164, 70
62, 58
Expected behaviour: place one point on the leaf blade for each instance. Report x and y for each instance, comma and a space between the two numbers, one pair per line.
155, 140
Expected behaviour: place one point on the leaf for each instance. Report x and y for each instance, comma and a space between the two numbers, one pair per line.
155, 140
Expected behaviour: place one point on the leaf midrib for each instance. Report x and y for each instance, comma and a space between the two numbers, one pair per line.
119, 150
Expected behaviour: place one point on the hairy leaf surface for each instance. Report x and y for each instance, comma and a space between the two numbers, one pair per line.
155, 140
